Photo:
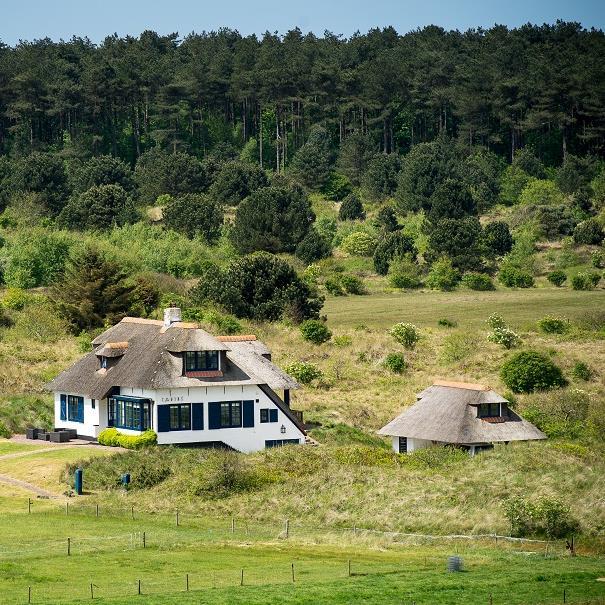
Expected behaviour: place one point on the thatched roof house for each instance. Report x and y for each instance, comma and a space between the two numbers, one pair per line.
469, 415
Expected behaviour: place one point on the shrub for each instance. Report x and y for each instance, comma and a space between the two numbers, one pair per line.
495, 320
530, 371
478, 281
386, 220
553, 325
352, 284
4, 431
447, 323
405, 334
393, 245
581, 371
442, 275
194, 214
15, 299
351, 209
380, 178
313, 247
334, 287
404, 273
588, 232
101, 170
359, 243
237, 180
597, 258
583, 281
542, 517
226, 324
395, 362
496, 239
541, 192
112, 437
315, 331
557, 278
303, 371
337, 188
512, 277
504, 336
457, 346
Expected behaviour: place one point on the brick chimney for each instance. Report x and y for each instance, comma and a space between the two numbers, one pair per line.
171, 315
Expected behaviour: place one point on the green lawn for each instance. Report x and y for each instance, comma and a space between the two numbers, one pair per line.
10, 447
108, 552
468, 308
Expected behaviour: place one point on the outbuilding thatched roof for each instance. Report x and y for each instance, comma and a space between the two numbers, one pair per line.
152, 359
446, 412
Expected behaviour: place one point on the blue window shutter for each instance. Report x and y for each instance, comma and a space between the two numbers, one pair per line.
272, 415
248, 415
214, 415
63, 407
163, 418
80, 409
197, 416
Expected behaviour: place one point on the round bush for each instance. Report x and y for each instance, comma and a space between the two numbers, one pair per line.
442, 276
588, 232
581, 371
530, 371
304, 371
553, 325
313, 247
557, 278
351, 209
404, 273
405, 334
352, 284
359, 243
478, 281
395, 362
315, 331
597, 258
512, 277
584, 281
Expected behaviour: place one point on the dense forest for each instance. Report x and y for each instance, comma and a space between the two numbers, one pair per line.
501, 88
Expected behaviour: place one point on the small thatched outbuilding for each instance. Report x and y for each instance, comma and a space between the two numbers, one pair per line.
467, 415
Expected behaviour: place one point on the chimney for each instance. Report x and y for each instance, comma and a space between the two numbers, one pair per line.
171, 315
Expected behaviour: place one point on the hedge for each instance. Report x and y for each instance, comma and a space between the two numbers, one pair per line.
113, 438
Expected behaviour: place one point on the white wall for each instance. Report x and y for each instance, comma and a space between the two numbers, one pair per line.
413, 444
90, 426
249, 439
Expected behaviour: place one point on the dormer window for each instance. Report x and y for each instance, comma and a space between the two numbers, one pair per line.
201, 361
103, 362
489, 410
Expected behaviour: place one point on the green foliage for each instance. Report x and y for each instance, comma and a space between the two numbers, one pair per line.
514, 180
35, 257
512, 277
446, 323
145, 295
38, 322
458, 239
526, 160
273, 219
4, 431
225, 324
553, 325
334, 287
313, 247
557, 278
478, 281
303, 371
262, 287
158, 172
457, 346
541, 193
542, 516
18, 412
315, 331
588, 232
597, 186
451, 200
84, 341
311, 164
235, 181
481, 172
326, 227
529, 371
337, 188
113, 438
352, 284
584, 281
495, 320
380, 177
386, 220
194, 214
99, 208
15, 299
355, 153
582, 371
435, 457
405, 334
351, 209
496, 239
404, 273
597, 259
359, 243
395, 362
393, 245
576, 173
93, 291
504, 336
101, 170
442, 276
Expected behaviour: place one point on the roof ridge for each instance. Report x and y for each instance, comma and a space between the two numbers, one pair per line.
236, 338
469, 386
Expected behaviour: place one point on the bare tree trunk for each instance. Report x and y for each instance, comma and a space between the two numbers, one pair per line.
277, 158
260, 135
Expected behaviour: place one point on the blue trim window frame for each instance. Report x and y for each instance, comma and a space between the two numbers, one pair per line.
128, 413
231, 414
201, 361
75, 408
180, 417
268, 415
280, 442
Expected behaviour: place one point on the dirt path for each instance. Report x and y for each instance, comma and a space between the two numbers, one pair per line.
27, 486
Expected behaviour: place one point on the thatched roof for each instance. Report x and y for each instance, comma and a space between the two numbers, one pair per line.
152, 359
447, 412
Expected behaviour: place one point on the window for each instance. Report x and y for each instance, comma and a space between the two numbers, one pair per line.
403, 445
180, 417
280, 442
75, 408
128, 414
93, 403
231, 414
198, 361
103, 361
488, 410
268, 415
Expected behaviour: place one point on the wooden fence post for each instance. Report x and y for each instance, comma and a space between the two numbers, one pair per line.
143, 539
287, 528
92, 594
29, 506
177, 518
564, 596
67, 508
292, 573
29, 594
132, 512
139, 586
187, 582
241, 582
97, 511
68, 547
349, 568
232, 525
491, 600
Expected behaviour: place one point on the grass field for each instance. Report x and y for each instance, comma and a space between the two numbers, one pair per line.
470, 309
108, 552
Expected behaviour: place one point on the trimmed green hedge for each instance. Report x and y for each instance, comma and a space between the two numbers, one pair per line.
113, 438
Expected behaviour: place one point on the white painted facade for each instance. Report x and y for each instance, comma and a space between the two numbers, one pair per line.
244, 439
412, 444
